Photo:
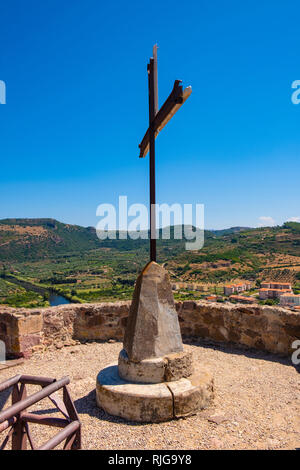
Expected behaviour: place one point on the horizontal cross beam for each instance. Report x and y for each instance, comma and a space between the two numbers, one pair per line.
176, 99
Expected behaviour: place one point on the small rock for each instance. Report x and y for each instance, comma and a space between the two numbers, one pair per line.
217, 419
77, 377
216, 443
74, 351
273, 443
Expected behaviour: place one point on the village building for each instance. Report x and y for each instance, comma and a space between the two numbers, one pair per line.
188, 286
266, 293
236, 288
290, 300
276, 285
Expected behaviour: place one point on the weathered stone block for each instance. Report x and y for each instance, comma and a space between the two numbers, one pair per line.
146, 371
152, 328
156, 370
178, 365
30, 324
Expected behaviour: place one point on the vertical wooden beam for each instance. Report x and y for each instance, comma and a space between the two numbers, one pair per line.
153, 108
155, 82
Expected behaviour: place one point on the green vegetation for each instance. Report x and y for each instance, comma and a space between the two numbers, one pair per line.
41, 255
269, 302
14, 296
294, 226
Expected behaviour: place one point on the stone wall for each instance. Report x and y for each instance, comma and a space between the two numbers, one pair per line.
262, 327
21, 330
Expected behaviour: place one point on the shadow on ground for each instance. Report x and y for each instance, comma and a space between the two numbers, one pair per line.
241, 350
87, 405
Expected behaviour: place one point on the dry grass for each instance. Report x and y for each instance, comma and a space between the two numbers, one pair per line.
21, 230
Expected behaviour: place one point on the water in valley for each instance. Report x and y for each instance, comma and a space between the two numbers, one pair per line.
56, 299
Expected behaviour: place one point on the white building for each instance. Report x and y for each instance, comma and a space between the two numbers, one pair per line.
290, 300
236, 288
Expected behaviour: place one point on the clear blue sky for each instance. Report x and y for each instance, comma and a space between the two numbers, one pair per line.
76, 79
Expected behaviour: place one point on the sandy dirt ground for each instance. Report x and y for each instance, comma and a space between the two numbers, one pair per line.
256, 406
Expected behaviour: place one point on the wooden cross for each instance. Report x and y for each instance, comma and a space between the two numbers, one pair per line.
157, 121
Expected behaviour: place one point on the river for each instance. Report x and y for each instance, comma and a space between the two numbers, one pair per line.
55, 299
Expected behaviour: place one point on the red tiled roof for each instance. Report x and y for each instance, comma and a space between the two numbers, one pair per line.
241, 297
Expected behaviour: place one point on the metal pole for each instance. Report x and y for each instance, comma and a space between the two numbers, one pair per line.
61, 436
23, 403
19, 436
153, 108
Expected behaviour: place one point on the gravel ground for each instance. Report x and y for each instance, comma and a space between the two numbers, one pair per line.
257, 403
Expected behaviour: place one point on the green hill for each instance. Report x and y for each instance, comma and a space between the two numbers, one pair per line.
73, 261
34, 239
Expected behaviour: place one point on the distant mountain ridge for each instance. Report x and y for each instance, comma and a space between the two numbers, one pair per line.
40, 238
228, 231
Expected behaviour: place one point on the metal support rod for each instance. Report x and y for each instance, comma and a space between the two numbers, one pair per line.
46, 420
32, 399
61, 436
9, 382
18, 419
33, 380
19, 435
6, 424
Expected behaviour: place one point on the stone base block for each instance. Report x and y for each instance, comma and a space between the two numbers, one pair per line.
178, 365
152, 402
150, 371
156, 370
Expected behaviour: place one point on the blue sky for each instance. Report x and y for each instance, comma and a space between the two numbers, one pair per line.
77, 108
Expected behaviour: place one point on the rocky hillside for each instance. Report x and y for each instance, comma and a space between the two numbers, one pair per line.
33, 239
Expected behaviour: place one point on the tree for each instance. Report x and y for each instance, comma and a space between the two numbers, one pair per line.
4, 271
46, 296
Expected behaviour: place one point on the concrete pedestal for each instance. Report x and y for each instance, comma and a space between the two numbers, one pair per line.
154, 379
157, 369
153, 402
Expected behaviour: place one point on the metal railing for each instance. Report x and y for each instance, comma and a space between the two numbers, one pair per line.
16, 418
